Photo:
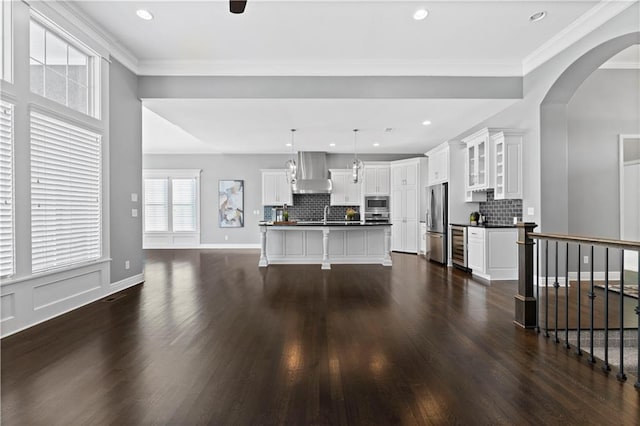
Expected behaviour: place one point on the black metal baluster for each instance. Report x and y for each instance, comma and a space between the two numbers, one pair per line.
578, 350
606, 366
592, 296
566, 299
546, 288
637, 384
538, 288
556, 285
621, 376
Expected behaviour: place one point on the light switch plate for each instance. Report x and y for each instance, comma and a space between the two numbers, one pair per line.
134, 197
530, 211
134, 212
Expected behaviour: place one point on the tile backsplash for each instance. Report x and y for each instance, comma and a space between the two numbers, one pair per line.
500, 212
311, 207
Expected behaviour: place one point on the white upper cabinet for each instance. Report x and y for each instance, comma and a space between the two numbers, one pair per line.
376, 179
478, 161
276, 190
438, 160
508, 148
344, 192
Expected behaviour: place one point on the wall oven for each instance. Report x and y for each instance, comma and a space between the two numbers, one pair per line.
376, 209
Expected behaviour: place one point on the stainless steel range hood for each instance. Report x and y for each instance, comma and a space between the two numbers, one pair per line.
312, 176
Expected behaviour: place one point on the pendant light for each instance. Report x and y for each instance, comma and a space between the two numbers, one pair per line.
357, 165
290, 165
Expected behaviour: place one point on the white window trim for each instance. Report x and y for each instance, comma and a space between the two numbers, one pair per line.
95, 83
172, 239
6, 50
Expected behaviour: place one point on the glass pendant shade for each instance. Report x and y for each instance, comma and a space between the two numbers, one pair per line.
357, 165
290, 165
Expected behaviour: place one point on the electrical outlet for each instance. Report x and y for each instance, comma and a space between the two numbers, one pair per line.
585, 259
226, 238
127, 264
530, 211
134, 212
134, 197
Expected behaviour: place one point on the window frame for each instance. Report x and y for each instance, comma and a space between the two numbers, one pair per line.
94, 83
171, 238
6, 47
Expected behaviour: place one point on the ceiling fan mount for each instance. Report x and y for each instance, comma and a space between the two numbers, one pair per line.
237, 6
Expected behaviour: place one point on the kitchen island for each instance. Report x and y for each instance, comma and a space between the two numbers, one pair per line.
324, 243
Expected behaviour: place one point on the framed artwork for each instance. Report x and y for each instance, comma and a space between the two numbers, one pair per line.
231, 203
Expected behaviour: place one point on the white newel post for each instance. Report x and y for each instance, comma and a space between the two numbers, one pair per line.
387, 246
263, 248
325, 249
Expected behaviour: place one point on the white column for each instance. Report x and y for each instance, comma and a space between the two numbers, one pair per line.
325, 249
263, 248
387, 246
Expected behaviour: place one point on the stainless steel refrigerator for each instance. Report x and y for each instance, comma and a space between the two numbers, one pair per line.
437, 222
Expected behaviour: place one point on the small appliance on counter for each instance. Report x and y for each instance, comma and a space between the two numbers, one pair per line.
437, 222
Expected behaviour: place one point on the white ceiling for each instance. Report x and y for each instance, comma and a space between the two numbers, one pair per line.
330, 37
333, 37
262, 125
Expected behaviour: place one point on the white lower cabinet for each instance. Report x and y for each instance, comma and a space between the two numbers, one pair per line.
493, 253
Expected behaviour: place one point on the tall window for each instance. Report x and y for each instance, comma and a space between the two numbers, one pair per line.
61, 71
65, 193
6, 190
6, 33
171, 201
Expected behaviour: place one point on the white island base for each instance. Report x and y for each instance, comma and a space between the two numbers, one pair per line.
324, 245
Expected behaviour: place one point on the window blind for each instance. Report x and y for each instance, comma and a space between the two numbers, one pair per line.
6, 190
65, 193
156, 205
183, 193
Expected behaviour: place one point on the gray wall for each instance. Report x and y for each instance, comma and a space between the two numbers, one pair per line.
125, 177
237, 166
605, 106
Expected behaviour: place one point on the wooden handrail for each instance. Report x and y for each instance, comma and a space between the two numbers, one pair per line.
606, 242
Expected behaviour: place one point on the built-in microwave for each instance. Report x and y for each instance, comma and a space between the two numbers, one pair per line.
376, 204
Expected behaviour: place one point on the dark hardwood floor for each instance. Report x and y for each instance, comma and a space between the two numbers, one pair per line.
212, 339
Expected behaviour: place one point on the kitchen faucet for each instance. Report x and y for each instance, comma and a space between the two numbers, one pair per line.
326, 211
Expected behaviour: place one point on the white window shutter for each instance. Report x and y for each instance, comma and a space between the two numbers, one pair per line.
65, 193
156, 204
6, 191
184, 199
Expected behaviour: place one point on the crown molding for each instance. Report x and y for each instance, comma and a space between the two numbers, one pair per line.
339, 69
617, 65
78, 18
585, 24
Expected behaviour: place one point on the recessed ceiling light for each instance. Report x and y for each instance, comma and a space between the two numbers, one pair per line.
288, 144
426, 122
376, 144
538, 16
420, 14
144, 14
332, 144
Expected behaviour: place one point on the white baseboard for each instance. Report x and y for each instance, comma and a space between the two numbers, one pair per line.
205, 246
125, 283
585, 276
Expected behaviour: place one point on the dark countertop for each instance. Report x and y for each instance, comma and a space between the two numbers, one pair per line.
489, 225
329, 223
